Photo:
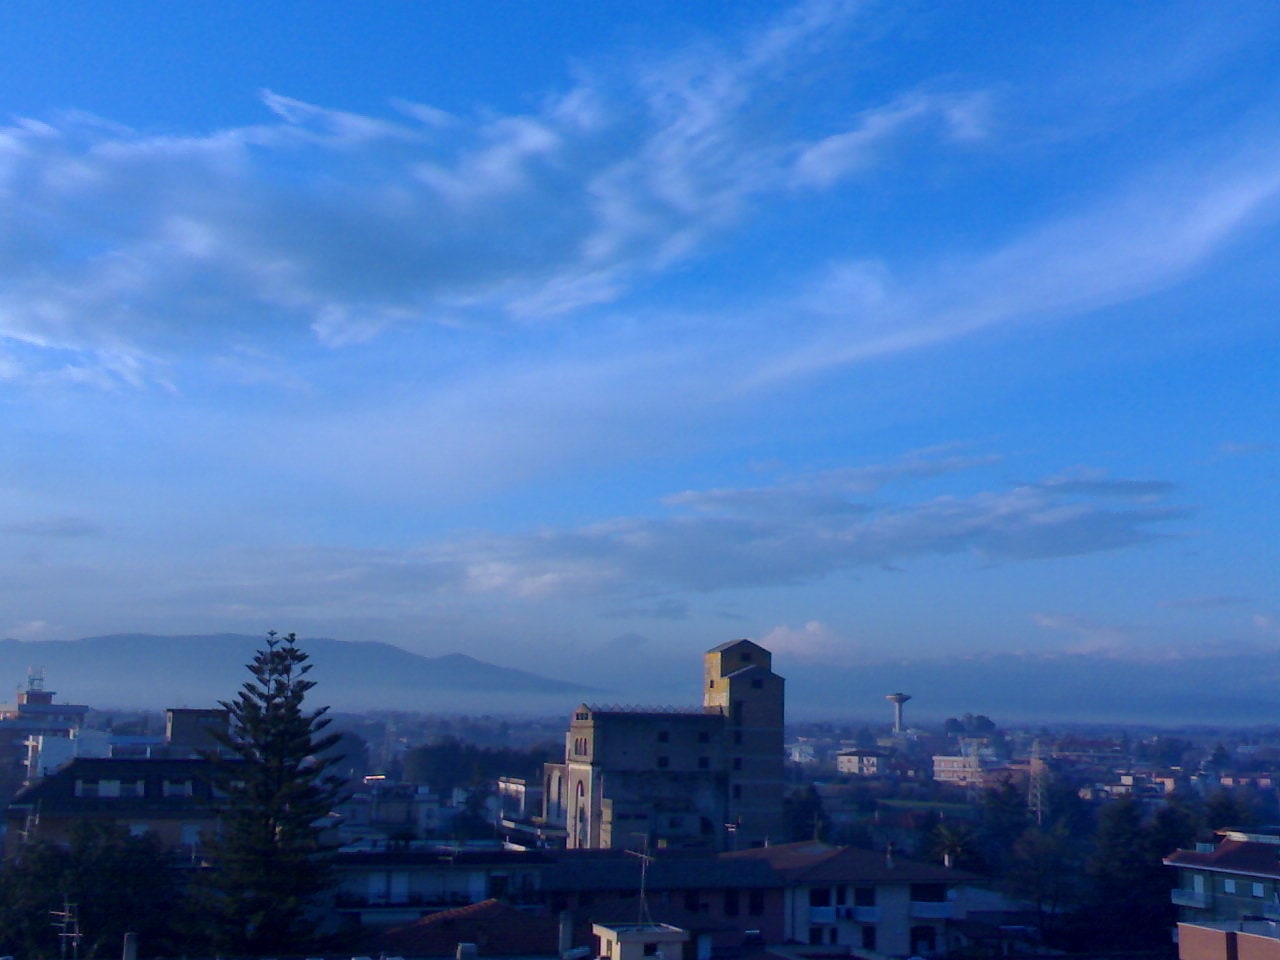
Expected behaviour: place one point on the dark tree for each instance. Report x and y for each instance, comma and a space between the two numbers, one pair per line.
114, 882
804, 815
1129, 904
1045, 869
270, 864
954, 843
1004, 817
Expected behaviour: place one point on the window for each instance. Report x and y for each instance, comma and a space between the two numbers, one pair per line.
139, 829
704, 737
731, 905
664, 736
177, 788
108, 788
664, 762
1228, 886
842, 896
1257, 890
755, 903
86, 788
737, 763
819, 896
756, 683
582, 716
929, 892
737, 791
737, 737
864, 896
650, 949
868, 937
691, 900
132, 788
704, 763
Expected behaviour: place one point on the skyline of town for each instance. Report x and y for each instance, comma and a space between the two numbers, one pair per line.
863, 331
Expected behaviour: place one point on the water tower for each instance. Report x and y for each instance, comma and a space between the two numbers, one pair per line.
898, 699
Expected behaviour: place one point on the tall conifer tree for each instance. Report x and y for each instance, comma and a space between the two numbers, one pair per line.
270, 862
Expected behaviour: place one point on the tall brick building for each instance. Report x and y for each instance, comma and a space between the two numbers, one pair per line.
707, 778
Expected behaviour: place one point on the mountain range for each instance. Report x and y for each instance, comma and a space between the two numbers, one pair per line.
145, 671
153, 672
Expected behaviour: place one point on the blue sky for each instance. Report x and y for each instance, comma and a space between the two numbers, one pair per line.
572, 335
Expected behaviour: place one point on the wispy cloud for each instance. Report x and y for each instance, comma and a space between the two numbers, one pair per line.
64, 527
642, 566
1152, 233
1207, 602
123, 245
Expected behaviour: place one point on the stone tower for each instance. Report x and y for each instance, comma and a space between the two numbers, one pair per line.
739, 684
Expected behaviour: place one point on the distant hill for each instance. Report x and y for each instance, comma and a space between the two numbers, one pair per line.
153, 672
147, 671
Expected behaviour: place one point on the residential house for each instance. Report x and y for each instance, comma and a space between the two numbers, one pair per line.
170, 799
860, 900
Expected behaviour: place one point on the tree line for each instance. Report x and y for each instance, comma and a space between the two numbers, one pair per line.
254, 895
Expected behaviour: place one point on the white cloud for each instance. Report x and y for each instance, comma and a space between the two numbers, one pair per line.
1156, 232
755, 541
127, 243
814, 641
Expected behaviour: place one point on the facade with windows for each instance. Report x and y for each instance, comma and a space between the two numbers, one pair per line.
861, 763
711, 778
860, 900
1228, 898
1235, 879
169, 799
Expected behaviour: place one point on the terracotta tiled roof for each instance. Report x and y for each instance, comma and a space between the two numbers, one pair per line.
613, 872
820, 863
1248, 857
497, 930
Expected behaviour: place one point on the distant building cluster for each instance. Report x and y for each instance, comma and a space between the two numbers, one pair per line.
664, 829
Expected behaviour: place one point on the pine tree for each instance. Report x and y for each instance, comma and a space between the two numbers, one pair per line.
270, 864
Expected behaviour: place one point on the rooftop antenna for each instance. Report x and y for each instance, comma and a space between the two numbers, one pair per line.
68, 923
642, 915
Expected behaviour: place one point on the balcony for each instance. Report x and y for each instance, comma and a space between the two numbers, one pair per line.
866, 914
931, 910
1190, 898
824, 915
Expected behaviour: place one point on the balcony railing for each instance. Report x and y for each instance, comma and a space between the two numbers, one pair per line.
822, 914
931, 910
1190, 898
